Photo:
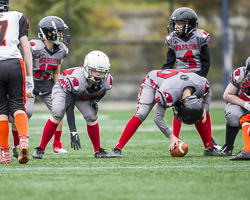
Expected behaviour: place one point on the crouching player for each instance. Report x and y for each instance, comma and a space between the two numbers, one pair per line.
82, 87
168, 88
245, 123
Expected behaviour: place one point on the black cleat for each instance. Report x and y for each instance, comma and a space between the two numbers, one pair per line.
218, 147
116, 153
212, 151
15, 150
242, 155
38, 154
102, 153
227, 150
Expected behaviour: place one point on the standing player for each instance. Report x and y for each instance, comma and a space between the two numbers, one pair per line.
82, 87
245, 122
14, 32
188, 48
238, 104
48, 55
167, 88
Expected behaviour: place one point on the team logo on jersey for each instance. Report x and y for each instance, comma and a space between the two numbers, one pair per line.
169, 99
33, 46
207, 86
75, 83
184, 77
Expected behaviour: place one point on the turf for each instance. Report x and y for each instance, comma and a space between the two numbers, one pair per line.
145, 171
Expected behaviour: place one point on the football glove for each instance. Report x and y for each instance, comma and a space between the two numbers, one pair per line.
29, 84
75, 141
247, 105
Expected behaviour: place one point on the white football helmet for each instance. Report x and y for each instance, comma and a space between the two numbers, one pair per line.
99, 62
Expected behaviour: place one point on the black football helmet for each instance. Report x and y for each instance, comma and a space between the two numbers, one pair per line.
248, 64
54, 29
183, 15
4, 5
189, 110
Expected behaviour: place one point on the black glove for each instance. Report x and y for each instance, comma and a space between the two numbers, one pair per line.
94, 104
75, 141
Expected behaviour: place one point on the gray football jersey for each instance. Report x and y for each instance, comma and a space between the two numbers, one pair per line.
44, 60
74, 80
236, 79
171, 90
188, 53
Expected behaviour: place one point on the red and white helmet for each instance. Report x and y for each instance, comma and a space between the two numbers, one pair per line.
99, 62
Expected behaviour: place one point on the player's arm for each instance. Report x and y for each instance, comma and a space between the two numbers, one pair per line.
231, 97
205, 61
27, 55
170, 59
56, 73
70, 105
159, 120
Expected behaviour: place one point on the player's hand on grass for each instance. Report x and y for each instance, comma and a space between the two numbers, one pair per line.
75, 141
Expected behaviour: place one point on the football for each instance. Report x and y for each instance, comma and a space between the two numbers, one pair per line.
180, 150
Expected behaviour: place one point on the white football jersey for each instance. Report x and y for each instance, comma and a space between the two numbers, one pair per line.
13, 25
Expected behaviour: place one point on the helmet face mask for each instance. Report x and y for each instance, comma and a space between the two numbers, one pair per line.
99, 62
189, 110
183, 15
4, 5
53, 28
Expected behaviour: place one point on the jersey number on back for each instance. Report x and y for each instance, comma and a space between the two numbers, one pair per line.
3, 29
189, 56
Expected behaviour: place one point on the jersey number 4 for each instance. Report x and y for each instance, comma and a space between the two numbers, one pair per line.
189, 57
3, 29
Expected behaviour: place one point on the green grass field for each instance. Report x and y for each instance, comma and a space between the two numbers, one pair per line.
145, 171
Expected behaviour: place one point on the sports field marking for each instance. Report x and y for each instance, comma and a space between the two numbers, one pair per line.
135, 167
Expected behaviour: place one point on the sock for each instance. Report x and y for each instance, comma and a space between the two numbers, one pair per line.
48, 132
21, 122
209, 125
4, 133
231, 133
176, 127
246, 138
94, 135
204, 134
129, 131
57, 138
15, 138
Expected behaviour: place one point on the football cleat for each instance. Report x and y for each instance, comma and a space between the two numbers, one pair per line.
116, 153
24, 155
15, 150
212, 151
227, 150
242, 155
5, 155
102, 153
218, 147
59, 149
38, 154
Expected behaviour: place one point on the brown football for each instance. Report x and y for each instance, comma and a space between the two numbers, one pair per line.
180, 150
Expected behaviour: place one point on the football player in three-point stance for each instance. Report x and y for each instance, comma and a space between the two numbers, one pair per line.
171, 88
82, 87
238, 104
188, 48
48, 55
14, 32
